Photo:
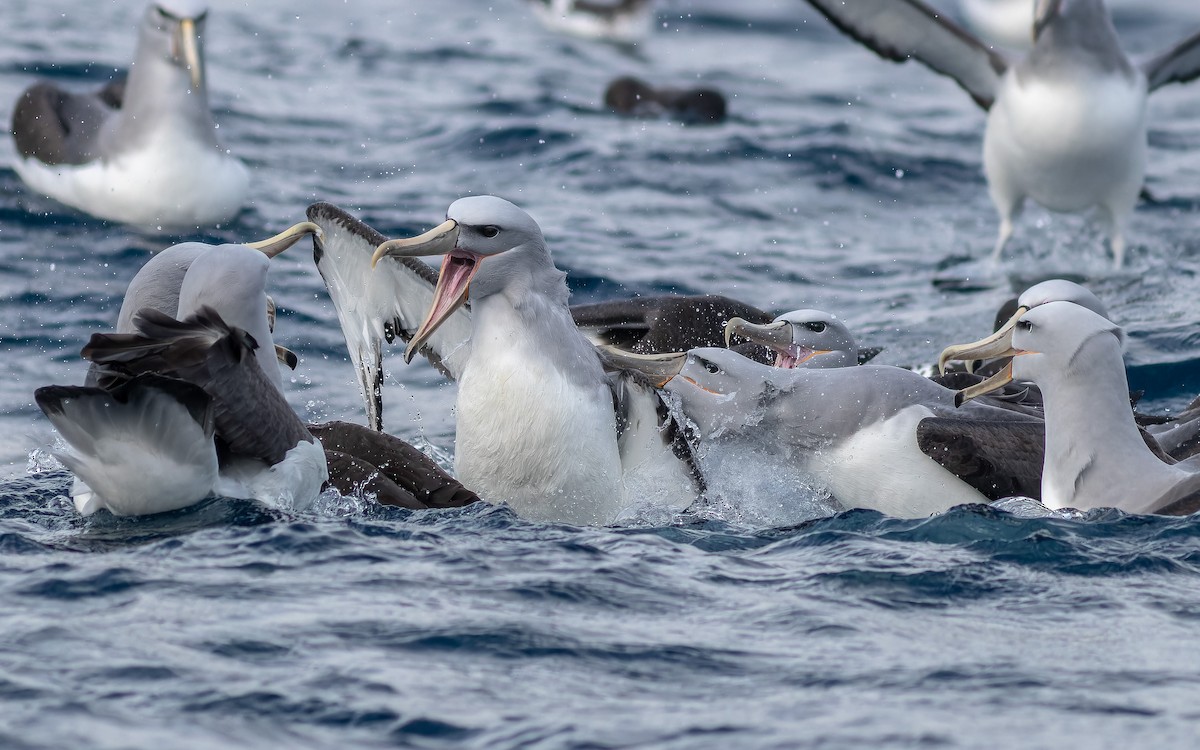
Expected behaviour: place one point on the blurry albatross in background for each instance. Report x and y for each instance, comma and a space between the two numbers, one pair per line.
1066, 124
142, 150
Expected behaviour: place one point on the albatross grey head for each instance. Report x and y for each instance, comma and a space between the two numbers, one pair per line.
489, 245
173, 30
801, 338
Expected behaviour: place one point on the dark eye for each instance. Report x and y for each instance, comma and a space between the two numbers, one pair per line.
489, 231
1024, 325
711, 367
816, 326
165, 15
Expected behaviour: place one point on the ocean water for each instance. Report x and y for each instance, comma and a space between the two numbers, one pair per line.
839, 182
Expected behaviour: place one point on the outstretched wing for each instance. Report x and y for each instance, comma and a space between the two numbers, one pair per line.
1000, 459
1179, 64
387, 302
902, 30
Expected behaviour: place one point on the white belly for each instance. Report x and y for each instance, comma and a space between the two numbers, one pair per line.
881, 467
528, 436
1068, 146
171, 183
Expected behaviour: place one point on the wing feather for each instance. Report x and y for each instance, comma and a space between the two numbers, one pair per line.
385, 303
903, 30
1179, 64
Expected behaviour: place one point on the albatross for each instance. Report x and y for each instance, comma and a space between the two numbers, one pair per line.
140, 446
231, 278
142, 150
852, 430
1095, 456
1066, 124
540, 424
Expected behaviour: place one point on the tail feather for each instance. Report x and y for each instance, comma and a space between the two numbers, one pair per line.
145, 447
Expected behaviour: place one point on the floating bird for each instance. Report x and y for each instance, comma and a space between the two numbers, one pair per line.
266, 452
1170, 438
186, 276
142, 150
1066, 125
801, 338
695, 106
1095, 455
854, 430
540, 424
621, 21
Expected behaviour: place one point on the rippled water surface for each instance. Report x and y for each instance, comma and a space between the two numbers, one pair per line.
839, 182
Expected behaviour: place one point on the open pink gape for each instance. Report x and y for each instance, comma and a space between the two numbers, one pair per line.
458, 267
792, 356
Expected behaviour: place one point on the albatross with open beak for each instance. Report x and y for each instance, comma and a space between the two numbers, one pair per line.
540, 424
1066, 124
801, 338
142, 150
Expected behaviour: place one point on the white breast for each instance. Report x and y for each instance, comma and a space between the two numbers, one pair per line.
1068, 144
172, 182
529, 435
881, 466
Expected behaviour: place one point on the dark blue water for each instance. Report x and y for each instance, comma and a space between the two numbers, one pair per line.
840, 182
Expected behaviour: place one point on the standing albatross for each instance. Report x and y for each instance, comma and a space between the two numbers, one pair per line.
142, 150
540, 424
1066, 124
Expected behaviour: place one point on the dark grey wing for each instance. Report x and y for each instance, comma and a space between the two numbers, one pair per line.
353, 476
252, 417
399, 462
902, 30
1179, 64
385, 303
56, 126
659, 325
621, 323
1000, 459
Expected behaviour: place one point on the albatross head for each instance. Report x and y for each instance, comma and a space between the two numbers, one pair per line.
173, 30
489, 245
801, 338
1053, 290
1055, 340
